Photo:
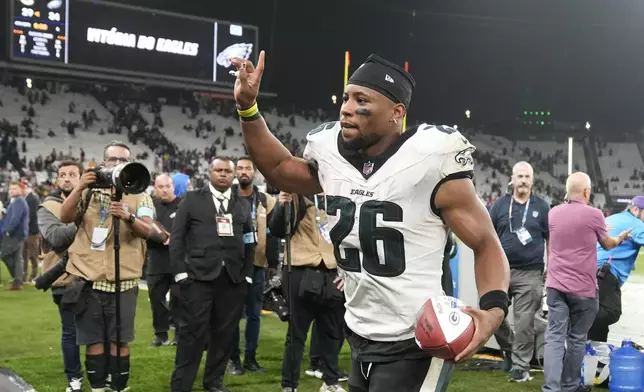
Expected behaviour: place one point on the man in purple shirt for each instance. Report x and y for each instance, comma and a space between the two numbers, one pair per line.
571, 284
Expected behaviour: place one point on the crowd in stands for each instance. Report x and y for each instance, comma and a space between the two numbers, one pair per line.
183, 134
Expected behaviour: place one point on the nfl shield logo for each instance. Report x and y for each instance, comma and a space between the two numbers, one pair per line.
367, 168
535, 214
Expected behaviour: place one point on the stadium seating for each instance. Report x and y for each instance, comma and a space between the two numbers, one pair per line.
52, 116
620, 164
188, 134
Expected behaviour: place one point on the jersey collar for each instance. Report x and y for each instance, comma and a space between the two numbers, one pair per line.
368, 166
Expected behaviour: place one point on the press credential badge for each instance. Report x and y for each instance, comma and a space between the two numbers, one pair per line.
225, 225
99, 238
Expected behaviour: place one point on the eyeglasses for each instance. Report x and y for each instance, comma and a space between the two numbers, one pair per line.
117, 159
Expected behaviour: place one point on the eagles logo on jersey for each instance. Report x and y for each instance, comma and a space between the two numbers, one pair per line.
240, 50
387, 233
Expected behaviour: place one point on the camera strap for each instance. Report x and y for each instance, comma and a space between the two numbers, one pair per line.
84, 207
79, 217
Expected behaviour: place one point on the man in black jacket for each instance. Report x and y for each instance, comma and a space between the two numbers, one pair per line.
159, 272
211, 253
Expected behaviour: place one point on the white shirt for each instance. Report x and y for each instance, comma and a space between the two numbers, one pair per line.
216, 195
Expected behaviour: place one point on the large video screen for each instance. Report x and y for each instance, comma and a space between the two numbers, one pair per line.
38, 29
130, 40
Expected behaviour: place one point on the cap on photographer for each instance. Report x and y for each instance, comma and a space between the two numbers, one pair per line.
91, 258
56, 238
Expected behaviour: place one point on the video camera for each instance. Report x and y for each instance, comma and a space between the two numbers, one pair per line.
274, 298
128, 178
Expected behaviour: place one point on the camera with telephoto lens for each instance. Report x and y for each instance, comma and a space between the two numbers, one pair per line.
274, 298
44, 281
128, 178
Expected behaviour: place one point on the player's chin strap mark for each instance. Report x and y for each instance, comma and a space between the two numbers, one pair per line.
366, 376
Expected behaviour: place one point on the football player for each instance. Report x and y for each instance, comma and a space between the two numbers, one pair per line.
391, 197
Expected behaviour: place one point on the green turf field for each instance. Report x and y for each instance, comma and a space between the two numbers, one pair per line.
30, 345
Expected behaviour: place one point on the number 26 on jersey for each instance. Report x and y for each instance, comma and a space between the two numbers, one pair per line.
369, 235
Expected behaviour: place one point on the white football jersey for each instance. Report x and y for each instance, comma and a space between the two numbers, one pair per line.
389, 241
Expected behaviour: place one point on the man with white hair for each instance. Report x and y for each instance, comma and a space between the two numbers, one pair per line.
575, 229
521, 222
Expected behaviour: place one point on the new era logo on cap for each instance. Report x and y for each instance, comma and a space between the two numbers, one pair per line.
389, 79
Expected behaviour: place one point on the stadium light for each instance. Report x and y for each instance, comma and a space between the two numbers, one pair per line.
468, 114
587, 126
334, 99
28, 81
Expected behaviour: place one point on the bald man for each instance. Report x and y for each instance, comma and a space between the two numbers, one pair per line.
521, 222
159, 272
575, 229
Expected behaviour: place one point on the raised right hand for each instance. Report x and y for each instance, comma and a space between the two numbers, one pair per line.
87, 179
248, 80
285, 197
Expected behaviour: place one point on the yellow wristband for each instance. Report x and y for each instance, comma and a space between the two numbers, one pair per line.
250, 112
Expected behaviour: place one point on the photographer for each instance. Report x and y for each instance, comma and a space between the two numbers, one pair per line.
91, 258
313, 293
266, 256
56, 238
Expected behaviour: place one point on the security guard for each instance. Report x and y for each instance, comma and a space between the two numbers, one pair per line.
212, 249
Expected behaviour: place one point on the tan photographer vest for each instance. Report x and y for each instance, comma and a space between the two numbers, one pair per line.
95, 265
308, 247
49, 257
262, 213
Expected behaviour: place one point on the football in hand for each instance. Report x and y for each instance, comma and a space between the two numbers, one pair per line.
443, 329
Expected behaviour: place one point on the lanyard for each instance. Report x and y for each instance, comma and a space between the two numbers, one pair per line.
253, 215
525, 214
103, 210
253, 210
318, 217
